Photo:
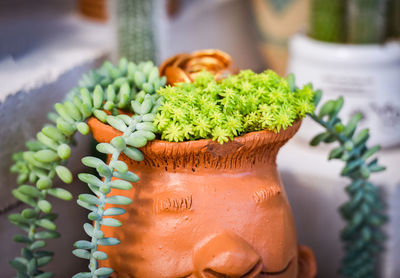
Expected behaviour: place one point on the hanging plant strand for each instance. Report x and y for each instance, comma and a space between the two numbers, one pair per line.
364, 212
110, 88
136, 131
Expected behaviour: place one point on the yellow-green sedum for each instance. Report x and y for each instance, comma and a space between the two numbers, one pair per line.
234, 106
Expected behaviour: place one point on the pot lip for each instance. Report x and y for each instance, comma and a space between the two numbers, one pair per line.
302, 45
104, 133
285, 134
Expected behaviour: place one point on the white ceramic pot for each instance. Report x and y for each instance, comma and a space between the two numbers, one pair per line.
368, 76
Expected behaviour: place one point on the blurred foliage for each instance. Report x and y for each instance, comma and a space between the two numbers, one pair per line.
394, 19
136, 30
327, 20
367, 20
354, 21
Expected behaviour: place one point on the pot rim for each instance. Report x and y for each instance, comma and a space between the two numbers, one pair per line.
243, 152
261, 137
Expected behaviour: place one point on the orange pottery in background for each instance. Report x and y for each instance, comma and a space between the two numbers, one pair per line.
94, 9
202, 209
276, 21
184, 67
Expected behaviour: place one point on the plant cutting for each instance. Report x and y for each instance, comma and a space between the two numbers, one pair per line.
364, 212
193, 165
349, 51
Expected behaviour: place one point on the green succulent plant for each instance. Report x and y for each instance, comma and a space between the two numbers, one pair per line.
364, 211
137, 130
238, 104
129, 87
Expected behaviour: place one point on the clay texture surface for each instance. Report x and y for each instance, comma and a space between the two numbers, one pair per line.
202, 209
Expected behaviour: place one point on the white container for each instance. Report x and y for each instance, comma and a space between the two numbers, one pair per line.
368, 76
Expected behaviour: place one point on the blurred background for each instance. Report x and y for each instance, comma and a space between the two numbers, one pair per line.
345, 47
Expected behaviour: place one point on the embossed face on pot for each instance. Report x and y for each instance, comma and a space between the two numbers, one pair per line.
206, 210
206, 224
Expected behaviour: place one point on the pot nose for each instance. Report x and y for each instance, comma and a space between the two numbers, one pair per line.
226, 255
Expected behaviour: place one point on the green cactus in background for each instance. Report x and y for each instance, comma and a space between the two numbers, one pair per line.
135, 23
367, 21
393, 13
327, 20
353, 21
364, 212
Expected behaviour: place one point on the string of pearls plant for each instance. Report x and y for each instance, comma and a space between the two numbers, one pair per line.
128, 86
364, 212
137, 130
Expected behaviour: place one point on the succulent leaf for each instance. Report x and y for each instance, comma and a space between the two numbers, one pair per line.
363, 211
97, 91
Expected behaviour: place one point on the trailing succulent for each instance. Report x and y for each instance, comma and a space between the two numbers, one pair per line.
101, 94
364, 211
187, 111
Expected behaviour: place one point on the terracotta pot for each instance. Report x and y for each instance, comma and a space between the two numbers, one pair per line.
202, 209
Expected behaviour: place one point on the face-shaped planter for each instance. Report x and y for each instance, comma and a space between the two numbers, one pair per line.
207, 210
